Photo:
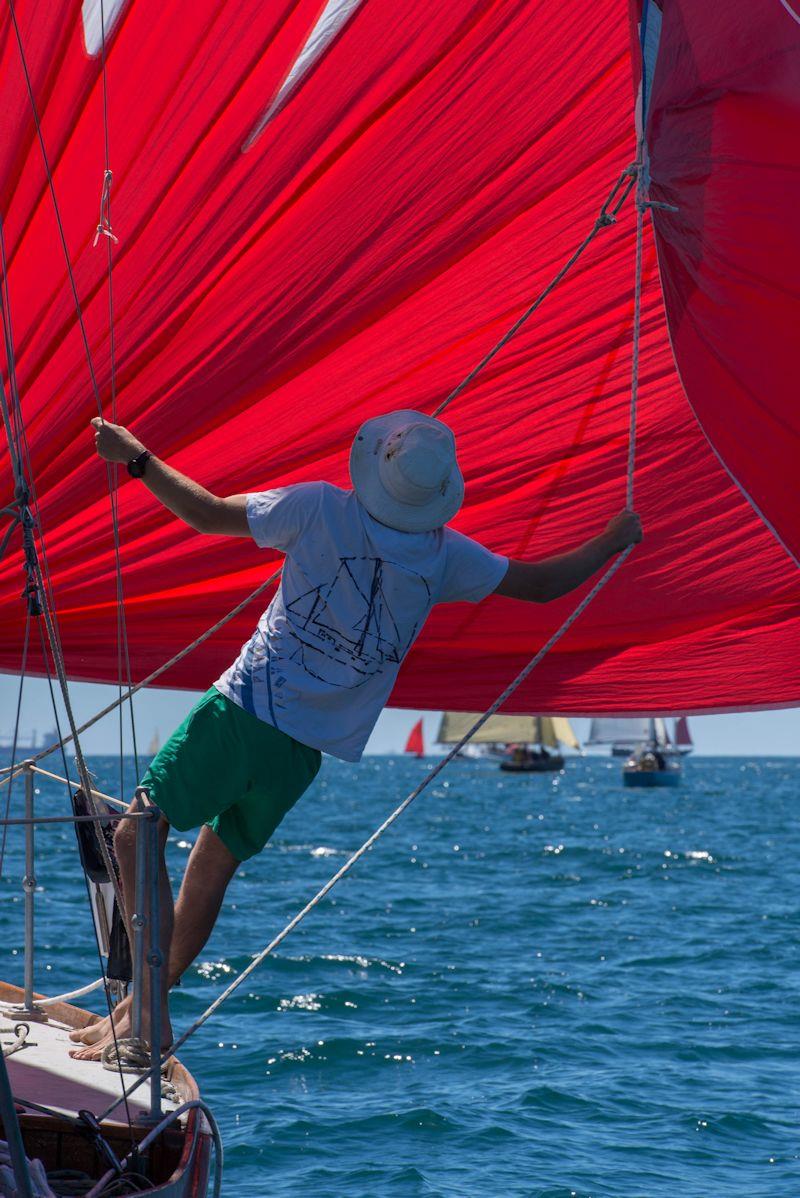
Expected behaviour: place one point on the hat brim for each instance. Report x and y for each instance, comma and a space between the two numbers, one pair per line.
376, 499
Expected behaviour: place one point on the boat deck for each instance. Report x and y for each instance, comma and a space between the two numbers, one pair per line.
43, 1072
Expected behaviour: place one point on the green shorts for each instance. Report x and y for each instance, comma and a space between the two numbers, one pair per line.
226, 768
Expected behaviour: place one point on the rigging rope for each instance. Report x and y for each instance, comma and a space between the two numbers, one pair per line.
162, 669
23, 664
104, 228
634, 174
641, 205
11, 1008
606, 217
109, 865
80, 761
40, 584
74, 288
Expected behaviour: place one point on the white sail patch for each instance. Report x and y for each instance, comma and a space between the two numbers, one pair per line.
609, 731
331, 21
97, 14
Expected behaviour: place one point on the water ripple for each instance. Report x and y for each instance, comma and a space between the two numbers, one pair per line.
525, 990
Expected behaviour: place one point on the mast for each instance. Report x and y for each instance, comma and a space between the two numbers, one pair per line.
548, 737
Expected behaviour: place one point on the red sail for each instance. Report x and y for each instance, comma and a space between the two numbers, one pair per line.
276, 283
723, 121
415, 743
682, 734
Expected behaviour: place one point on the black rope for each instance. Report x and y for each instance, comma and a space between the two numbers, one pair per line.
100, 958
23, 665
17, 512
79, 313
40, 601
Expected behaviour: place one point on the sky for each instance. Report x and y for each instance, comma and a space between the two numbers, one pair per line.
158, 711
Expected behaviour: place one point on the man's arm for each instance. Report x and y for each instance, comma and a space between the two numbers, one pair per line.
186, 499
539, 582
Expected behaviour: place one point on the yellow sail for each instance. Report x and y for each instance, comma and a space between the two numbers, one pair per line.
507, 729
562, 730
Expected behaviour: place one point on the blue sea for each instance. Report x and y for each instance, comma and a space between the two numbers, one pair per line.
534, 987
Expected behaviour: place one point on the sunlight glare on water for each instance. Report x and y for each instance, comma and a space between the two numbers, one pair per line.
533, 986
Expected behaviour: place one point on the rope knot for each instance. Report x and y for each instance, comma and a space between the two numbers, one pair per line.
104, 224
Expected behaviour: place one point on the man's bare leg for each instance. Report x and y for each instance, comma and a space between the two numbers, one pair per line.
208, 871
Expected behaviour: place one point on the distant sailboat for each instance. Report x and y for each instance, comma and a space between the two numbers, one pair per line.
416, 742
155, 743
655, 762
519, 731
623, 735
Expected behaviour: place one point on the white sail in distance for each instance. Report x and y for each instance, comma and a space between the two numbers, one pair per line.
608, 731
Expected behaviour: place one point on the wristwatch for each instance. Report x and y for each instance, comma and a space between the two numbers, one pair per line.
137, 465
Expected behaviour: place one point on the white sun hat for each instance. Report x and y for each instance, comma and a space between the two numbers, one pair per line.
404, 470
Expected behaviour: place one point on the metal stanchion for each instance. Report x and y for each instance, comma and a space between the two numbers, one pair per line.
29, 886
155, 962
139, 921
13, 1136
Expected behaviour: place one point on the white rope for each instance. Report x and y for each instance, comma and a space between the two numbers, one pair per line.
495, 706
641, 205
606, 217
37, 769
15, 1008
398, 811
158, 672
387, 823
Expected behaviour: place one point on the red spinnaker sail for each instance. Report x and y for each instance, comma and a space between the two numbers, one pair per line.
275, 284
415, 743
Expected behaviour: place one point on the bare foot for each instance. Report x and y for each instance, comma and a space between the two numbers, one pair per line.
121, 1030
93, 1049
100, 1030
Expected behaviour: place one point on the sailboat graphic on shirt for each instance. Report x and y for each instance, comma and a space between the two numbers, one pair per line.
349, 626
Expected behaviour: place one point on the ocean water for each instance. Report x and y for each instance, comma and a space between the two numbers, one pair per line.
544, 987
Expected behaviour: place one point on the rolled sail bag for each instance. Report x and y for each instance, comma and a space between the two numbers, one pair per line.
120, 964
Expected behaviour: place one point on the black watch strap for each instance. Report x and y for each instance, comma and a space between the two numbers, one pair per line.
136, 466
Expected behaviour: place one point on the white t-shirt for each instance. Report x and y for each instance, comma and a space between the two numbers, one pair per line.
353, 598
